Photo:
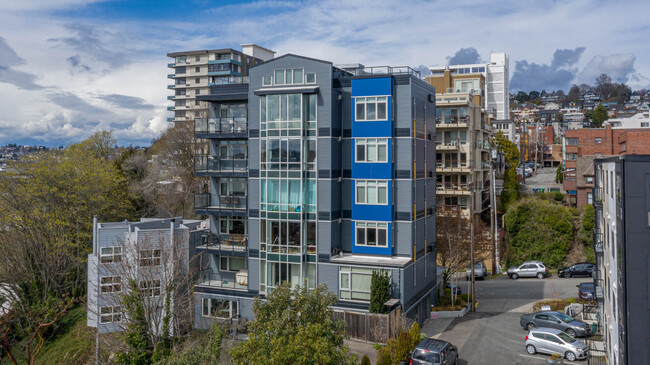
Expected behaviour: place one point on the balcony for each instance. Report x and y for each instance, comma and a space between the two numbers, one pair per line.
448, 145
170, 97
598, 288
210, 279
207, 165
229, 244
452, 122
230, 80
171, 65
598, 197
453, 166
453, 188
170, 119
171, 76
220, 205
170, 86
221, 127
385, 70
486, 164
598, 242
171, 108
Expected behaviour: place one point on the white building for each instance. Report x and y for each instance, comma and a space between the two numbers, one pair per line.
497, 82
639, 120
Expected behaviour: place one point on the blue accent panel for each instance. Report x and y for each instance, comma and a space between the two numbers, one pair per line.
372, 129
372, 87
371, 212
388, 251
372, 170
223, 73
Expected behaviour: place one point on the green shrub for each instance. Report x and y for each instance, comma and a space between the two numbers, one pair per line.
466, 297
379, 291
365, 360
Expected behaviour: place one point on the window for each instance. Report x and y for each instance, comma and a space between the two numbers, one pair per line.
197, 58
371, 150
644, 124
597, 140
266, 80
571, 141
310, 78
288, 76
232, 225
571, 156
111, 254
220, 308
180, 59
150, 288
150, 257
197, 69
198, 91
180, 70
372, 234
371, 108
354, 283
197, 80
590, 179
230, 263
371, 192
110, 314
111, 284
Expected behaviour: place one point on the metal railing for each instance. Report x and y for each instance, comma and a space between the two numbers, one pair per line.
210, 201
453, 121
598, 290
222, 242
208, 163
453, 164
385, 70
598, 195
598, 241
453, 186
453, 143
213, 279
230, 80
221, 125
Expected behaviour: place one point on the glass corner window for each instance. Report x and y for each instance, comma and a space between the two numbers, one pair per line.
266, 80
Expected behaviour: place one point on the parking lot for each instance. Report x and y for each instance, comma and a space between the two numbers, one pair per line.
492, 334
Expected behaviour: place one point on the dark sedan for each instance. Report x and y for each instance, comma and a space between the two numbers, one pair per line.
586, 290
551, 319
580, 269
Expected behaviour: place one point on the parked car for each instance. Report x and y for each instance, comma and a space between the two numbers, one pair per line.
528, 269
557, 320
480, 271
456, 290
524, 170
579, 269
554, 341
586, 290
431, 351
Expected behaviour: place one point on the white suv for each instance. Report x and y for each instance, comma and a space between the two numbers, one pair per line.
528, 269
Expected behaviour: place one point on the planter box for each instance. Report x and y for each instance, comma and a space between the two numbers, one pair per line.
448, 314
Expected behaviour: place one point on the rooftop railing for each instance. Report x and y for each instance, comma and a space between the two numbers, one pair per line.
385, 70
230, 80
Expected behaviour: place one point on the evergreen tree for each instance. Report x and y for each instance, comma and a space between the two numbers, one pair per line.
379, 292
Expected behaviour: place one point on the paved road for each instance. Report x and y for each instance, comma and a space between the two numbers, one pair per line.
545, 178
492, 334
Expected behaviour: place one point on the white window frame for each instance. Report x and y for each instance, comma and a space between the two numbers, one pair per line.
229, 264
377, 226
366, 142
265, 79
310, 82
233, 308
110, 284
367, 185
110, 314
285, 72
350, 272
365, 101
150, 288
115, 254
150, 257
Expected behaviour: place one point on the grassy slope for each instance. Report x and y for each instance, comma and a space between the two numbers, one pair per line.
74, 342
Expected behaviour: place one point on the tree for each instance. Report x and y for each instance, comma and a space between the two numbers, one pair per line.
399, 349
586, 232
509, 149
574, 94
600, 116
604, 86
559, 174
539, 230
294, 327
379, 292
521, 96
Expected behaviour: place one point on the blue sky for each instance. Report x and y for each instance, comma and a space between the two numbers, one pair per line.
72, 67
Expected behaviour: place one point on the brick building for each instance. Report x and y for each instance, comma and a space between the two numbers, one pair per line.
584, 145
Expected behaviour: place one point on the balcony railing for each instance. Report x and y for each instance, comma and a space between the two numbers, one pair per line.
452, 121
221, 125
598, 289
598, 241
385, 70
230, 80
208, 163
486, 164
222, 242
598, 196
211, 201
217, 280
452, 164
448, 144
452, 186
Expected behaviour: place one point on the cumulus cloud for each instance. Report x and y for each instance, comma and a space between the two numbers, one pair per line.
558, 75
620, 67
126, 101
465, 56
8, 59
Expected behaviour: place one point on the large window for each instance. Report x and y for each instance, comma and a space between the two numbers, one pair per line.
371, 108
110, 254
288, 76
371, 150
150, 288
467, 85
150, 257
371, 234
230, 263
111, 284
232, 225
220, 308
354, 283
371, 192
110, 314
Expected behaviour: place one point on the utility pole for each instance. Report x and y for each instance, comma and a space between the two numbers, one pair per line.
492, 215
493, 195
471, 242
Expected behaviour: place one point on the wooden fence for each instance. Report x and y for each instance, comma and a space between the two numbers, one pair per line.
371, 327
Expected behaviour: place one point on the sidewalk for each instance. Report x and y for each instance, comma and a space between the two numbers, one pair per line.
432, 328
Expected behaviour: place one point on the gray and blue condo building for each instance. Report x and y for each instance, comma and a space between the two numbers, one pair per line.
318, 174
